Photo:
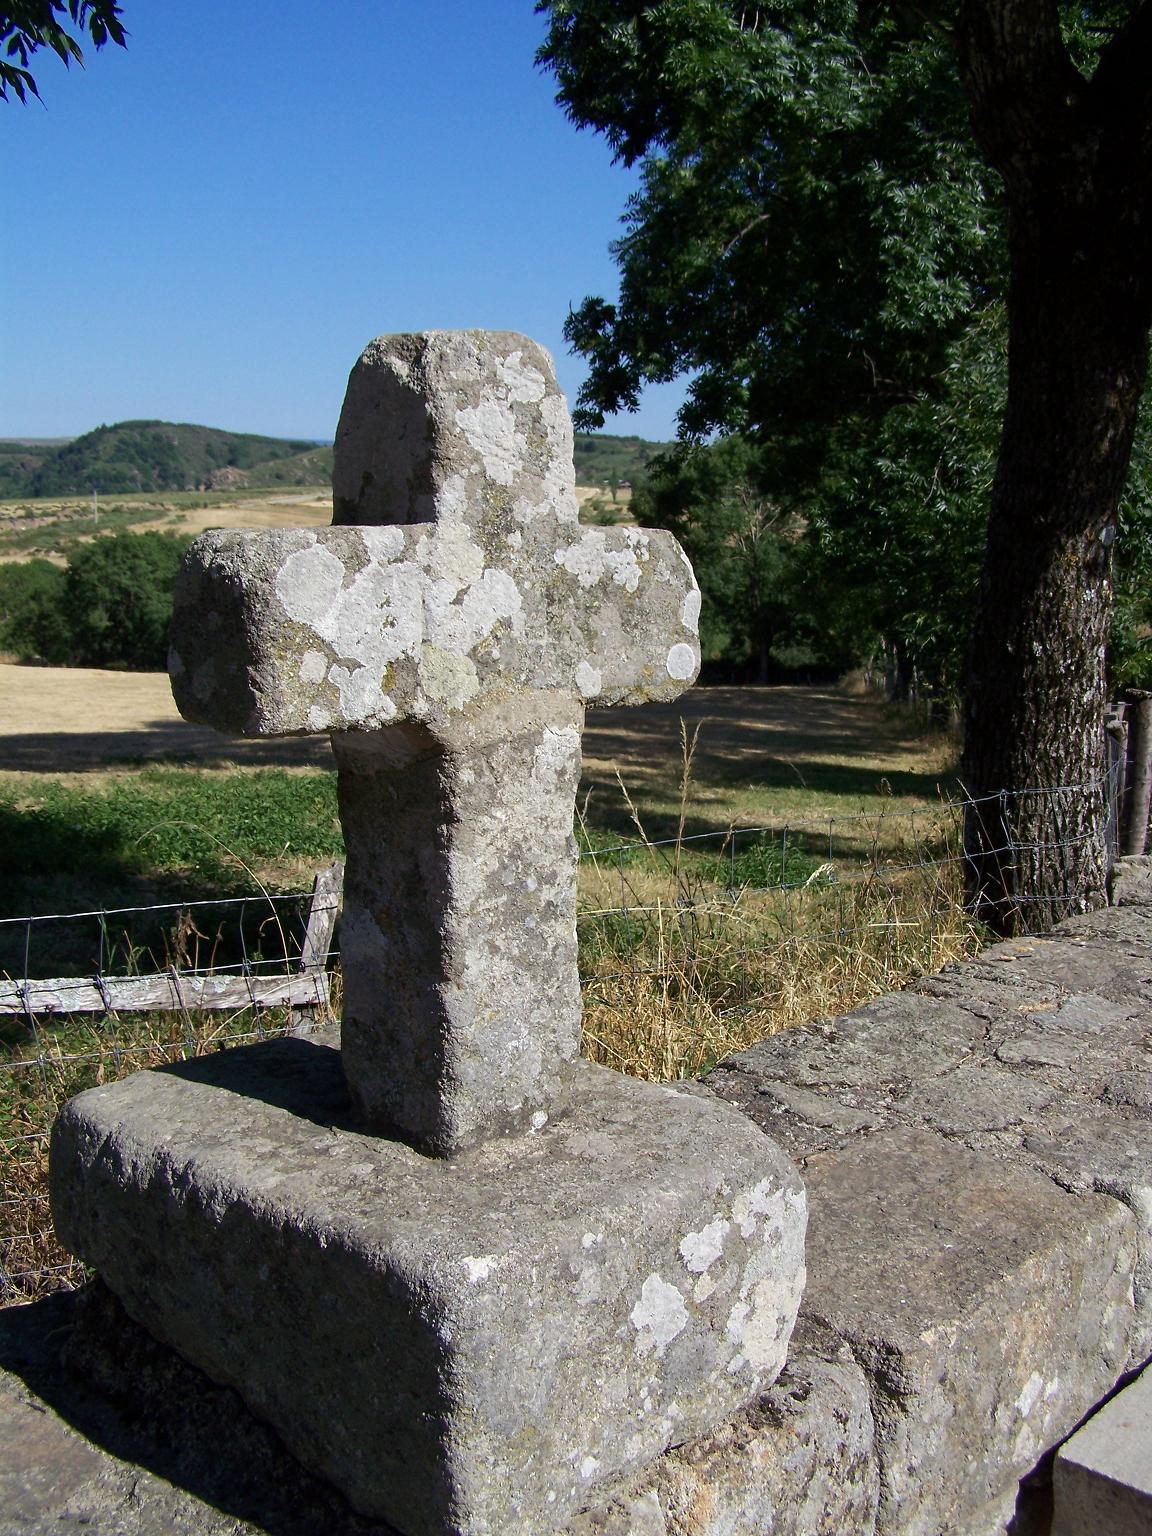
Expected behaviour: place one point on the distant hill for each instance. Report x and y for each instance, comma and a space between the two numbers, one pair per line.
169, 456
159, 456
602, 459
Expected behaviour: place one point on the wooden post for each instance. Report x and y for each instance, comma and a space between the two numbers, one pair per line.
1116, 745
305, 990
1140, 794
327, 891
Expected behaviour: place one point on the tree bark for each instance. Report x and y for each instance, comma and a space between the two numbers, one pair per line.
1079, 308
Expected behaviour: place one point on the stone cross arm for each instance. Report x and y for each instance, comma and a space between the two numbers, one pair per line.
291, 632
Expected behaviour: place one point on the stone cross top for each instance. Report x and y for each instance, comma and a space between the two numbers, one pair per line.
448, 630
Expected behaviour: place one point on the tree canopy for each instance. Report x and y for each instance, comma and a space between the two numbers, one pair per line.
111, 607
27, 26
843, 207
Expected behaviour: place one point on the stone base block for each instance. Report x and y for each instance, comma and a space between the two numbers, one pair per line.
799, 1461
467, 1346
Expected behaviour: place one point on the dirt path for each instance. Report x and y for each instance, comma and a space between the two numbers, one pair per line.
68, 720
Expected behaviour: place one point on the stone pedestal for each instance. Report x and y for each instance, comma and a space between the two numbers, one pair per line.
467, 1346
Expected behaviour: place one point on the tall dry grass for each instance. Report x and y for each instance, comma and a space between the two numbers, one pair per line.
693, 950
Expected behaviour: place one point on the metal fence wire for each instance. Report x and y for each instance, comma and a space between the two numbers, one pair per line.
690, 947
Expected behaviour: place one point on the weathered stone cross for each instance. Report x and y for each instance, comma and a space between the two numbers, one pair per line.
448, 630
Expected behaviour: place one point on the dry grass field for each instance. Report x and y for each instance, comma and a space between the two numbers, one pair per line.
48, 528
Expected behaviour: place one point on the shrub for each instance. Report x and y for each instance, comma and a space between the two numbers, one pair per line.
31, 600
110, 608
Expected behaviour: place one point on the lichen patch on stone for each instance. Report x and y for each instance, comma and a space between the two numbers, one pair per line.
659, 1316
700, 1250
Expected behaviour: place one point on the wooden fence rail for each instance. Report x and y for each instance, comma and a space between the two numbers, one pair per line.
306, 986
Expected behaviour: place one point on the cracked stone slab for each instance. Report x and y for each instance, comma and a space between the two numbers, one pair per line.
797, 1462
472, 1345
1077, 959
1132, 881
989, 1309
973, 1098
1108, 1151
1083, 1035
814, 1088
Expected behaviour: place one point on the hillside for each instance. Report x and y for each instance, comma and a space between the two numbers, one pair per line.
602, 459
159, 456
168, 456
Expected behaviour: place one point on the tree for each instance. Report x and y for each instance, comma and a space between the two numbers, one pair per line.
828, 198
31, 601
741, 543
26, 26
118, 597
111, 607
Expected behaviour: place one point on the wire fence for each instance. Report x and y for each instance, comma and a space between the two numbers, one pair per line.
690, 947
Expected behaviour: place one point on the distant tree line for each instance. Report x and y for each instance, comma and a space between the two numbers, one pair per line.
109, 607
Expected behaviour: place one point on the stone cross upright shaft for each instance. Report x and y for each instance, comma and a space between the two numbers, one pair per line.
448, 630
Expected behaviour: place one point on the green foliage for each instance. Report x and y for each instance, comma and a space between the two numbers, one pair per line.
814, 226
745, 548
19, 459
110, 608
769, 861
118, 598
1130, 647
169, 456
818, 241
31, 598
602, 459
26, 26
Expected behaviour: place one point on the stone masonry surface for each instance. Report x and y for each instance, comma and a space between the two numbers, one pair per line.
976, 1155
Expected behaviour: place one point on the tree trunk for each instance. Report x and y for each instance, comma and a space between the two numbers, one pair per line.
1079, 308
1035, 700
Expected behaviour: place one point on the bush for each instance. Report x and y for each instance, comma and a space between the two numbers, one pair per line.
31, 601
110, 608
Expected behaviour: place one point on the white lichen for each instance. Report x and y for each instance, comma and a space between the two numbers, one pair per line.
659, 1316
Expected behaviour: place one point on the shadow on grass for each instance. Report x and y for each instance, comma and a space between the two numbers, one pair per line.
51, 868
161, 741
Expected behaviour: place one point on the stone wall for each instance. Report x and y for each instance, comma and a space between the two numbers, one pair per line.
978, 1157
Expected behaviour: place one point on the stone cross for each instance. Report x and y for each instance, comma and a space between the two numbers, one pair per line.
448, 631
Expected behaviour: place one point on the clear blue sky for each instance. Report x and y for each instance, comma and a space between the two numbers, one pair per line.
209, 226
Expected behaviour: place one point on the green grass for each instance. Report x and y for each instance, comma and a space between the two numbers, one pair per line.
171, 821
152, 835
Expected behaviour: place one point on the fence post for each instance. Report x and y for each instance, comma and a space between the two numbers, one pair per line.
1140, 793
327, 890
1116, 748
